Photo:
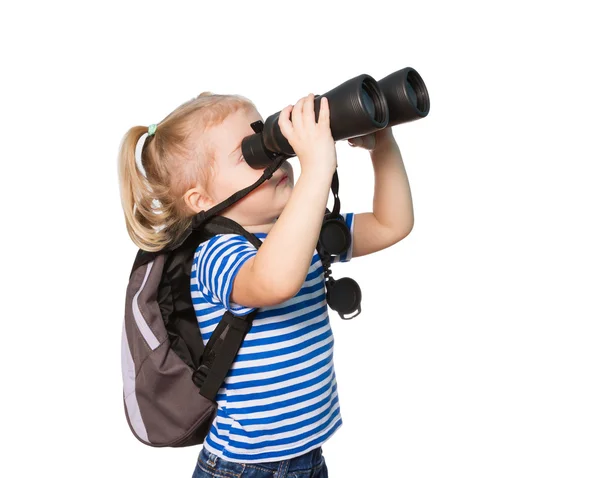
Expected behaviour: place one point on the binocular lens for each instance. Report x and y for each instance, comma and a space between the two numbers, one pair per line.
373, 100
412, 96
416, 91
368, 102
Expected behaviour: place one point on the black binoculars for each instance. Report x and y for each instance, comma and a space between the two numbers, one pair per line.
356, 107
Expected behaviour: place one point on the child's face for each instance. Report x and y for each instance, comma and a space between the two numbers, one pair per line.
259, 209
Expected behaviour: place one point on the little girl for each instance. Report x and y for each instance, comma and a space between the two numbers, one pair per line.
279, 402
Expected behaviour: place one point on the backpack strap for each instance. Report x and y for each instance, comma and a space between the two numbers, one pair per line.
220, 352
226, 340
223, 225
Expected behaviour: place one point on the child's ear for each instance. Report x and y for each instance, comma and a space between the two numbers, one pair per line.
197, 200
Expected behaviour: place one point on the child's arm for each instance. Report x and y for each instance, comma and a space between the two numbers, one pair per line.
278, 270
392, 218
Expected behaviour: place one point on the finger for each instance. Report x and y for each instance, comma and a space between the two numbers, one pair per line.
283, 117
284, 122
324, 112
308, 112
297, 114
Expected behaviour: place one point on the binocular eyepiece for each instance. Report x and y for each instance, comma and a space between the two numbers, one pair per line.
357, 107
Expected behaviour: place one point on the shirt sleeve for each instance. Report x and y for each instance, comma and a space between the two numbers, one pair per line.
346, 256
217, 265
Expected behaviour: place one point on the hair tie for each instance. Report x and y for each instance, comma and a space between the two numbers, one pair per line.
151, 129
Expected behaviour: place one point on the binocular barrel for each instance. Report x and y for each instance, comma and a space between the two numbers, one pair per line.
357, 107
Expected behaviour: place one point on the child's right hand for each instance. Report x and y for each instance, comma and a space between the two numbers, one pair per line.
312, 141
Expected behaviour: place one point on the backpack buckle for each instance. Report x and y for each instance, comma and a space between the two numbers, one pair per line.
199, 375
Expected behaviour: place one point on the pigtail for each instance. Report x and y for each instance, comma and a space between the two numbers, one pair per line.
143, 221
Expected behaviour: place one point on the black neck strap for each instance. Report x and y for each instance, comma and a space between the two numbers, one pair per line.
335, 186
203, 216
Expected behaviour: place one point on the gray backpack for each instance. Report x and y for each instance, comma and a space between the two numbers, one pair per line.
170, 380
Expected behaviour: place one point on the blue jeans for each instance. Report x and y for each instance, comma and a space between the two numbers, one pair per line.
309, 465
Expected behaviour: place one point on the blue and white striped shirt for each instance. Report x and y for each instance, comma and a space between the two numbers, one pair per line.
279, 399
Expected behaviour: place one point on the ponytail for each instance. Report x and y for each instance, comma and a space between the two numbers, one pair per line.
146, 223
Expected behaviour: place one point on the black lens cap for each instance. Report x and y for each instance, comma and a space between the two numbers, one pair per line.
344, 295
335, 237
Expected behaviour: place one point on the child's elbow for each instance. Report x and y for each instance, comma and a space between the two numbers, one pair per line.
405, 231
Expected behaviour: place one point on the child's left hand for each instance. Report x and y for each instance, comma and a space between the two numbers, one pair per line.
372, 140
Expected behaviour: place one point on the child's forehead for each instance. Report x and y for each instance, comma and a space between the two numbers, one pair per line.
227, 136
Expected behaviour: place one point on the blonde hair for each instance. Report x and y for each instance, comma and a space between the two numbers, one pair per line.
155, 210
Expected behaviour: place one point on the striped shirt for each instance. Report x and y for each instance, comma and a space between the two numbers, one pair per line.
279, 399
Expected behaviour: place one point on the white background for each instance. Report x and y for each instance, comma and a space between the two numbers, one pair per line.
477, 351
